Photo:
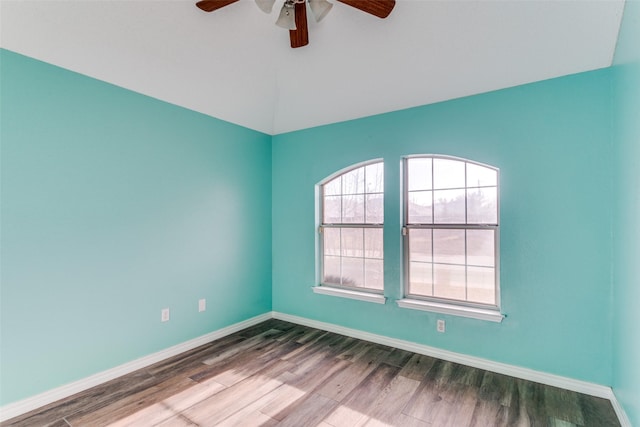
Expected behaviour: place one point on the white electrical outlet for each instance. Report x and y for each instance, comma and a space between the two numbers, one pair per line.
440, 325
164, 317
202, 304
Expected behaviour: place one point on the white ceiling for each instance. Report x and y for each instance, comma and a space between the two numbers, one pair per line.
236, 65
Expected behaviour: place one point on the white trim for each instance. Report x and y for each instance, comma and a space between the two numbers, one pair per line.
619, 410
476, 362
29, 404
455, 310
348, 293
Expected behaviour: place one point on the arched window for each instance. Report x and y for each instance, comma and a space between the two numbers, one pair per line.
352, 216
451, 231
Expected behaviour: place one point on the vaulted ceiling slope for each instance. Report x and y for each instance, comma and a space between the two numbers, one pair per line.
236, 65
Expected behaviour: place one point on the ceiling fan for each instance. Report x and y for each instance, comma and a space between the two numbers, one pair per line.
293, 15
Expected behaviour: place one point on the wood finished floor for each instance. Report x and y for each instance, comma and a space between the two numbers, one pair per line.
281, 374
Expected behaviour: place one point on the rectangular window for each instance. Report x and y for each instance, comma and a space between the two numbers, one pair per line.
451, 232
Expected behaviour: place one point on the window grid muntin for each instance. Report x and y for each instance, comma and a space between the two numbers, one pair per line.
464, 226
433, 189
348, 225
466, 265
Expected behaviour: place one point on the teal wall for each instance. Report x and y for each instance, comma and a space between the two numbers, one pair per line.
115, 205
551, 141
626, 230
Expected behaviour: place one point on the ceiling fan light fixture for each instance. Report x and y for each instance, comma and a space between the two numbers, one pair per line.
320, 8
287, 18
265, 5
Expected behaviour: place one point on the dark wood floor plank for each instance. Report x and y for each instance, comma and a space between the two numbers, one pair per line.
597, 412
355, 351
279, 373
327, 344
398, 357
563, 405
231, 351
341, 384
532, 410
467, 375
497, 387
483, 412
417, 367
457, 406
435, 393
264, 327
310, 335
307, 344
295, 333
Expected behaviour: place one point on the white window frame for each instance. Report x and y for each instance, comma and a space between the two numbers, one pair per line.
339, 290
463, 308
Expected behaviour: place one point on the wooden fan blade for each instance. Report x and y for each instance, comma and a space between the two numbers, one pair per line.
379, 8
211, 5
300, 36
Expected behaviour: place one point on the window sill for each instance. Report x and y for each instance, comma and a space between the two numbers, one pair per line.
348, 293
455, 310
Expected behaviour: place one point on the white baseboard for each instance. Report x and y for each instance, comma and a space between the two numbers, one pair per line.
23, 406
620, 412
18, 408
584, 387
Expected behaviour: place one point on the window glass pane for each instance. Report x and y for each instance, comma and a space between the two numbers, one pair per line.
482, 205
352, 242
480, 176
331, 241
331, 266
353, 209
374, 274
331, 209
353, 182
373, 243
449, 207
419, 207
375, 209
419, 174
448, 173
420, 276
333, 187
449, 281
374, 175
448, 246
353, 272
420, 245
481, 247
481, 285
